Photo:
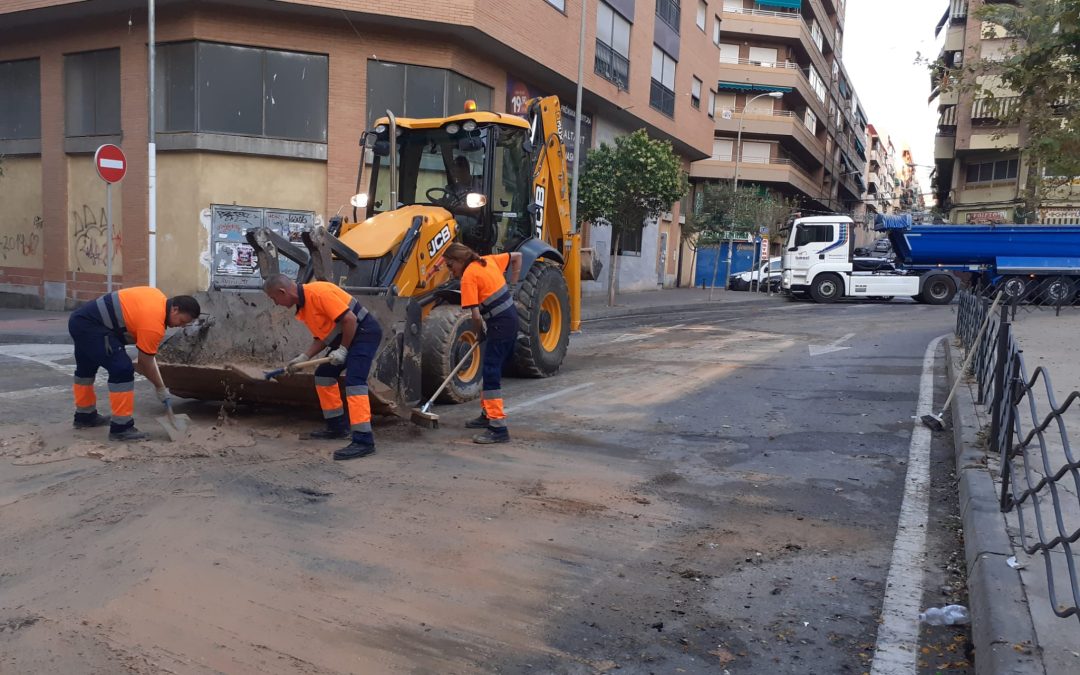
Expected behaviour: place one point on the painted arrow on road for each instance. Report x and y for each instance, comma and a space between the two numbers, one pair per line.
834, 346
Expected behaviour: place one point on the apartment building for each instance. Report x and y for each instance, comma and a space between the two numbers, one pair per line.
259, 108
981, 173
786, 115
882, 194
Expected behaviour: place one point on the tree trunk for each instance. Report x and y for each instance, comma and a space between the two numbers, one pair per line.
613, 269
715, 268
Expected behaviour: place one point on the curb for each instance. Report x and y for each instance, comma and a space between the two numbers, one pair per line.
34, 339
1000, 614
649, 310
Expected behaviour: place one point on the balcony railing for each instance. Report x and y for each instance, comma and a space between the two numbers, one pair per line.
765, 12
662, 98
994, 108
958, 9
612, 66
669, 12
790, 65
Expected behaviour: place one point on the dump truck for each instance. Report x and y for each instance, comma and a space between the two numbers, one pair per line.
818, 260
495, 182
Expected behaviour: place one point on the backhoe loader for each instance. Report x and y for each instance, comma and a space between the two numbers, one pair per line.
495, 182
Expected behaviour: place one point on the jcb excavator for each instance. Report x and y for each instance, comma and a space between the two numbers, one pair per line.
496, 182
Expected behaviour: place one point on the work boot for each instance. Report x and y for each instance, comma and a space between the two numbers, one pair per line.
491, 436
128, 435
354, 450
89, 420
478, 423
336, 427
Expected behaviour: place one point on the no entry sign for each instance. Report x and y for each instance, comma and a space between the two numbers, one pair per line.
110, 163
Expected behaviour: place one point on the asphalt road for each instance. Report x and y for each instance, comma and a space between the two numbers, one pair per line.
700, 492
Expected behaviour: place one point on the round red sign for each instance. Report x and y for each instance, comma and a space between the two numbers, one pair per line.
110, 163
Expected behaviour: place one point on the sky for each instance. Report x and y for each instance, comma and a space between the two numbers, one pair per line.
882, 39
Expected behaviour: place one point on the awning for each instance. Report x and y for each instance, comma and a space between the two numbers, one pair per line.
746, 86
844, 89
789, 4
860, 148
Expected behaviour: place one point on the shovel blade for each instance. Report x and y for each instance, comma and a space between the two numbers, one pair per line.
176, 427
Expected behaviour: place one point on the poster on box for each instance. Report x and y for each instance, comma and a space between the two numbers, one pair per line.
235, 264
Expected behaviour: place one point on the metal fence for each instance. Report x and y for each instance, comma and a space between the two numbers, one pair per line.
1040, 474
1035, 294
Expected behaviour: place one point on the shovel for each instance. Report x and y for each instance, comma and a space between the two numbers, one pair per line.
423, 416
265, 376
175, 425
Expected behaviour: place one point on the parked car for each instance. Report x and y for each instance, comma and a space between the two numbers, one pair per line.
770, 273
881, 246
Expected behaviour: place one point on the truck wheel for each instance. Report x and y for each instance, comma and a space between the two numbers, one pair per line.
1059, 291
448, 336
1015, 287
939, 290
543, 305
827, 288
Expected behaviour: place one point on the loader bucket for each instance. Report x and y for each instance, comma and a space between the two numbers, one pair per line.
251, 332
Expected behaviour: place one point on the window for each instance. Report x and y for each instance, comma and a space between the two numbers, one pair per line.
20, 99
716, 29
208, 87
756, 153
760, 105
726, 102
662, 91
729, 53
722, 149
630, 242
816, 83
712, 104
763, 56
612, 46
990, 172
419, 91
558, 4
810, 120
92, 93
810, 234
669, 12
733, 6
702, 12
695, 93
815, 32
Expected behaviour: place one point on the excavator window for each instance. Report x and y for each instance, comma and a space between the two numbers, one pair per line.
511, 186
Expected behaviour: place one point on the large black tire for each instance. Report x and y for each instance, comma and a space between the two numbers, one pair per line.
827, 288
543, 305
939, 290
448, 336
1058, 291
1015, 287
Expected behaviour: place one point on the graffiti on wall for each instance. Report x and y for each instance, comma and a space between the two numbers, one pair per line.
23, 243
90, 240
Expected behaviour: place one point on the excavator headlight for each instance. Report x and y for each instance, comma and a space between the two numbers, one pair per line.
360, 201
468, 125
475, 200
380, 129
452, 128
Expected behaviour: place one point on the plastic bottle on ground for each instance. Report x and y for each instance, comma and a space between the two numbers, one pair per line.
948, 615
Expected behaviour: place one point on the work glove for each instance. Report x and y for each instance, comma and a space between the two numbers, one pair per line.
299, 358
165, 396
338, 356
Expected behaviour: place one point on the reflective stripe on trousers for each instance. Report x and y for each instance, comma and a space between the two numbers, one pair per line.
85, 398
122, 401
329, 396
359, 408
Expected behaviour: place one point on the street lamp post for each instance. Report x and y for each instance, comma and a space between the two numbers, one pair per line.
738, 158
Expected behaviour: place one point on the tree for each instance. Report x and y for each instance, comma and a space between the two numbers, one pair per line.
1041, 69
625, 185
725, 208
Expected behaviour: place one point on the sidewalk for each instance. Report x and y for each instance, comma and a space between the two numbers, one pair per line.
1014, 627
19, 326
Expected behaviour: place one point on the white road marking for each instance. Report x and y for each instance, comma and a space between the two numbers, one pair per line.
546, 397
652, 332
834, 346
897, 646
38, 391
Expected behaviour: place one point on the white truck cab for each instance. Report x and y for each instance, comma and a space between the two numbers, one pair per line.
818, 263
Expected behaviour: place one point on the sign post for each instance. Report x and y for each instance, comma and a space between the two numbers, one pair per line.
111, 165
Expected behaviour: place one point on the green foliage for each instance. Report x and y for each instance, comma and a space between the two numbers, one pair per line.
723, 208
637, 179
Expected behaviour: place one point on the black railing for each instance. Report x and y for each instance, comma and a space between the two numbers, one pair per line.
662, 98
1040, 473
612, 66
669, 12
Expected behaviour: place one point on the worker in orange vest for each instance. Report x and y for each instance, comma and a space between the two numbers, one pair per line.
100, 329
339, 323
486, 295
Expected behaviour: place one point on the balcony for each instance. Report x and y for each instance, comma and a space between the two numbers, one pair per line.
991, 110
776, 170
612, 66
669, 12
661, 98
757, 24
775, 125
784, 75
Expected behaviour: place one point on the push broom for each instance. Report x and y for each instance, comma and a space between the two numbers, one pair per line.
935, 422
